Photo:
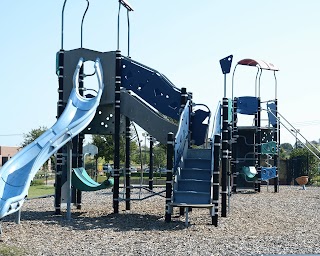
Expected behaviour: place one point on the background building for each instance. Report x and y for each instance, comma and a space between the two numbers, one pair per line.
6, 153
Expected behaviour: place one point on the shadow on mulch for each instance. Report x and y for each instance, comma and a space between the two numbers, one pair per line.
246, 191
117, 222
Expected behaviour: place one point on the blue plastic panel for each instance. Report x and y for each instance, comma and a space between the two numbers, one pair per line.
151, 86
225, 64
272, 113
247, 105
268, 173
199, 129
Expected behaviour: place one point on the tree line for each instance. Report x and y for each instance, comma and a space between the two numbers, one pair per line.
140, 153
298, 155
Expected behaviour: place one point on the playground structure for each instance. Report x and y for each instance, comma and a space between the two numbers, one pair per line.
135, 92
254, 149
128, 92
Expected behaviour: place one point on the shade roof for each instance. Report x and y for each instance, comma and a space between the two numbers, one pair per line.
260, 63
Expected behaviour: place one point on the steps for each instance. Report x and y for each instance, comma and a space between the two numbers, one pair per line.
193, 186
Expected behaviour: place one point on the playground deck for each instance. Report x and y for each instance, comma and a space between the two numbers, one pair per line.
287, 222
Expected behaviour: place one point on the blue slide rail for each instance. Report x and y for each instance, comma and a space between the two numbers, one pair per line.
216, 131
17, 174
182, 136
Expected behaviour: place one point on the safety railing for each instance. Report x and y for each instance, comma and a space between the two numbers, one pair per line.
182, 136
295, 132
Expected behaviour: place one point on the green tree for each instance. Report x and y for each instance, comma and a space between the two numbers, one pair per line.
105, 144
32, 135
141, 153
160, 155
308, 163
285, 150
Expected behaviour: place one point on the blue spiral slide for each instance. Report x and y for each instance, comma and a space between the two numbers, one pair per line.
17, 174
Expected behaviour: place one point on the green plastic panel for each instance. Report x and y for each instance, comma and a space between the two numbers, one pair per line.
269, 148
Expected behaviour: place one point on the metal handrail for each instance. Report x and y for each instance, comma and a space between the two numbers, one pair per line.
296, 131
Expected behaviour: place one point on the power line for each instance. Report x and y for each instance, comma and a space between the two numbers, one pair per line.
14, 134
307, 123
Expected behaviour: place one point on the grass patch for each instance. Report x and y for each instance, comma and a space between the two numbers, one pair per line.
37, 182
11, 251
40, 190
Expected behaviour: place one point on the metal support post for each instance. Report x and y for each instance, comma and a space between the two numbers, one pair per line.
225, 157
69, 171
170, 153
117, 134
128, 173
151, 164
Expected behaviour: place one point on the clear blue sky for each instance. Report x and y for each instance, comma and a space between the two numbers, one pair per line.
182, 39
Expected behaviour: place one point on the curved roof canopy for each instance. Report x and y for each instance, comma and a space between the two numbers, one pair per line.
258, 63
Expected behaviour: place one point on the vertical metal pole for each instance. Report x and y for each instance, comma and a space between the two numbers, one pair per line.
75, 140
276, 156
128, 32
170, 155
74, 162
59, 155
79, 152
117, 133
225, 157
258, 147
118, 27
234, 147
69, 170
187, 216
277, 136
184, 97
96, 167
229, 164
80, 164
216, 173
18, 216
62, 22
151, 164
128, 173
85, 12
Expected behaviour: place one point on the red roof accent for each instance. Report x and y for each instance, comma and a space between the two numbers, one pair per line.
260, 63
